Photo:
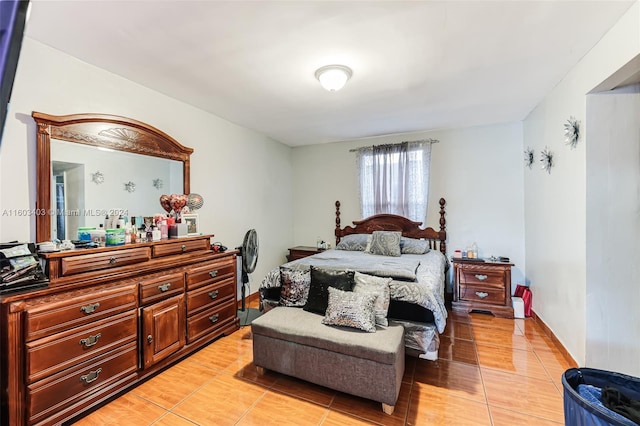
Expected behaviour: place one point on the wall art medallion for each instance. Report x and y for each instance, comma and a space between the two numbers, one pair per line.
97, 177
546, 158
130, 186
529, 157
572, 132
157, 183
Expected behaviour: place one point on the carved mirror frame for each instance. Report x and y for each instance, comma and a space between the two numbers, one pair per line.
99, 130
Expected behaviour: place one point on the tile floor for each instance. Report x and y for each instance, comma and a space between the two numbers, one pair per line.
491, 371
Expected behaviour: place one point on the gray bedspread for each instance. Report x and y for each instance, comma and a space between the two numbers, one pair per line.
417, 278
398, 268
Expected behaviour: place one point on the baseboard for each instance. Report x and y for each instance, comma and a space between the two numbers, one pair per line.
565, 353
254, 297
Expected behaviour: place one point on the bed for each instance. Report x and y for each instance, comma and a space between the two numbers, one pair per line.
418, 278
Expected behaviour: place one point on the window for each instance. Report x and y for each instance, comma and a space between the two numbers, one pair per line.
395, 179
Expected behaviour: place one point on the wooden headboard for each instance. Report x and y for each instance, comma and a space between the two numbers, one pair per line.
392, 222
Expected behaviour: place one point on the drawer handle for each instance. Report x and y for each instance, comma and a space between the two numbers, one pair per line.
214, 319
149, 339
164, 287
184, 248
481, 277
481, 294
112, 260
213, 273
214, 294
90, 308
91, 340
91, 377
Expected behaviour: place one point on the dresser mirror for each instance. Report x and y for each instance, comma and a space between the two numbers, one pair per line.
90, 165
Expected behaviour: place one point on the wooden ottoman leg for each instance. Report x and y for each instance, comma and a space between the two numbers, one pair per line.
260, 370
388, 409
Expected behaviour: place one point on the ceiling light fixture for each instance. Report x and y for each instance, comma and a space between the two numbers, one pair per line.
333, 77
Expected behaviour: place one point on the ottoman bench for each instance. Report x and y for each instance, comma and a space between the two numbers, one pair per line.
294, 342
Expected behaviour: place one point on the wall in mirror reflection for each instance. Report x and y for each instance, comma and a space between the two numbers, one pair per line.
88, 182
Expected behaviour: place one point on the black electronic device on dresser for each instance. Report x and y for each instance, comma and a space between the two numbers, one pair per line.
20, 267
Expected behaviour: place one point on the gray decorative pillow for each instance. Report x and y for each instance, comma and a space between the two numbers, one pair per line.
414, 246
295, 287
349, 309
386, 243
353, 242
379, 286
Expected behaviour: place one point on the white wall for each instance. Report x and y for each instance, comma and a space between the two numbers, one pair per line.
613, 247
478, 170
244, 176
555, 215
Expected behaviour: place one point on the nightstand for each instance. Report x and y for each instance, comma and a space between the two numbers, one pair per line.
299, 252
482, 286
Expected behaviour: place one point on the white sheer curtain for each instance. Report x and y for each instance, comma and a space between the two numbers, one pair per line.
395, 179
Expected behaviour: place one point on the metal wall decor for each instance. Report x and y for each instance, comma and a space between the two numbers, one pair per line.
528, 157
572, 132
130, 186
546, 158
97, 177
157, 183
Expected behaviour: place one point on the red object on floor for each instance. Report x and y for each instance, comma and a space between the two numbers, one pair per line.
525, 293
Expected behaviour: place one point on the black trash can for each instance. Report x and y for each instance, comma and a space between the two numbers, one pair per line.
580, 411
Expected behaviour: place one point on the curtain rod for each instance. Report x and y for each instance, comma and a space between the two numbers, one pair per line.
399, 143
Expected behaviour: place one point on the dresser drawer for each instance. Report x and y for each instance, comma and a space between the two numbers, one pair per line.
181, 246
203, 323
52, 316
50, 395
98, 261
487, 277
210, 295
162, 287
482, 294
54, 353
211, 272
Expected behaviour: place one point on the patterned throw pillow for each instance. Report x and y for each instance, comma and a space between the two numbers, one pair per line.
353, 242
321, 281
414, 246
386, 243
295, 287
349, 309
379, 286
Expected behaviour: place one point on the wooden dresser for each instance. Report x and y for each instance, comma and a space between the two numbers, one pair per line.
110, 318
482, 286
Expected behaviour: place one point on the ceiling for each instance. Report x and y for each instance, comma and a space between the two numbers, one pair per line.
417, 65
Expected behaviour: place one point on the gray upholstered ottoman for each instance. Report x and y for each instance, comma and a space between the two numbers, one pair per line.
296, 343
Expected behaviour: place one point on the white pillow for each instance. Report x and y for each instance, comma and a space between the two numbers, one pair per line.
379, 286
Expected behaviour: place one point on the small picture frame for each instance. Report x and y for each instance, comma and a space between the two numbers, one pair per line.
191, 220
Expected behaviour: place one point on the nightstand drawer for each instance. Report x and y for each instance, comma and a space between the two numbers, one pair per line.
482, 276
482, 294
300, 252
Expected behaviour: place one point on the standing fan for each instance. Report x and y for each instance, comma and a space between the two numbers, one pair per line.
249, 254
